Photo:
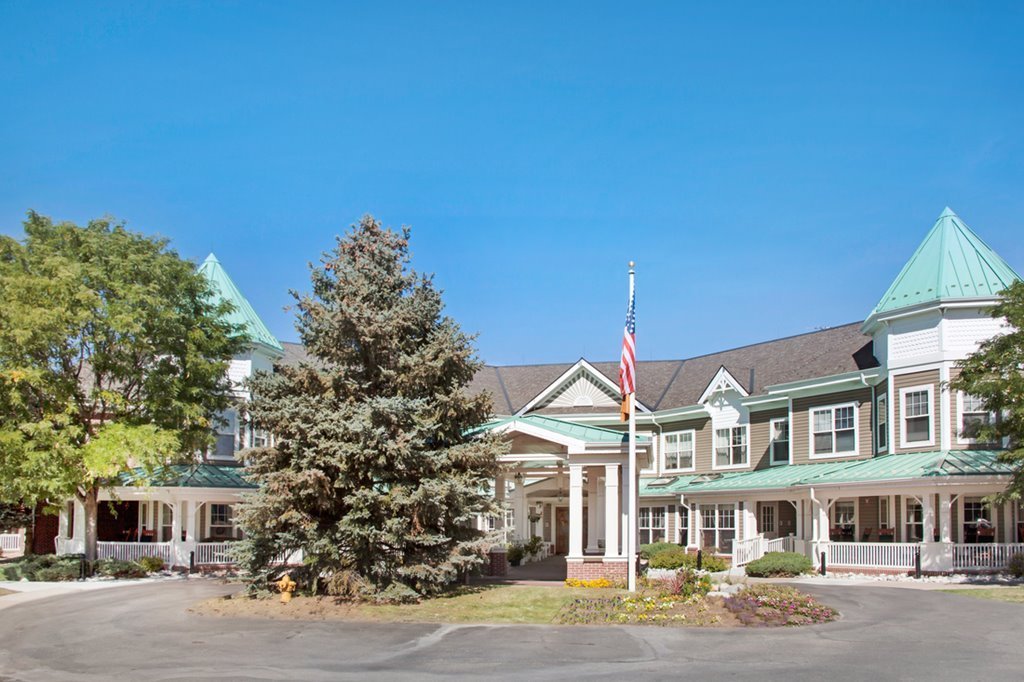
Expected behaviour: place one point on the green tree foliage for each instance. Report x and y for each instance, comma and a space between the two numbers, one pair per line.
113, 354
995, 374
371, 474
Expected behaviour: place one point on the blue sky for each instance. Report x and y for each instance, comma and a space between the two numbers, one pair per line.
769, 166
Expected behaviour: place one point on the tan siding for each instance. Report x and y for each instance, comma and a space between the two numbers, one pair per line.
760, 436
867, 518
898, 518
926, 378
954, 413
702, 442
800, 428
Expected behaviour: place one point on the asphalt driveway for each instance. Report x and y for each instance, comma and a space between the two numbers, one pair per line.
145, 632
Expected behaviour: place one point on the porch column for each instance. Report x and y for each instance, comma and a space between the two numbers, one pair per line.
178, 555
1008, 524
592, 512
624, 510
945, 518
575, 510
798, 510
600, 509
611, 510
819, 520
499, 499
519, 510
78, 531
750, 528
928, 517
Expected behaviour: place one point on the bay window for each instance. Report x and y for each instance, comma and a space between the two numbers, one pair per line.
916, 408
973, 417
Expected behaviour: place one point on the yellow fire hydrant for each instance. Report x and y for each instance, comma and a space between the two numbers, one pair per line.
286, 586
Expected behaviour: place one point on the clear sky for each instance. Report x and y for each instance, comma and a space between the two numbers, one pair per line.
769, 166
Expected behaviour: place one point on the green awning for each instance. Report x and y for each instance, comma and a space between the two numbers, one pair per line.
941, 463
188, 476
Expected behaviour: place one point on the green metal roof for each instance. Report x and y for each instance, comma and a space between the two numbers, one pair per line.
952, 262
589, 434
188, 476
243, 314
942, 463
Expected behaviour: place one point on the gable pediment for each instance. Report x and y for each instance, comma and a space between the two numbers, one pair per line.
580, 387
722, 383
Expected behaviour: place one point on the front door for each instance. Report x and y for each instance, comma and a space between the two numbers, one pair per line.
562, 530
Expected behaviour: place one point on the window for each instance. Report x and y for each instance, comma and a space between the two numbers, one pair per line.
973, 417
767, 518
651, 524
883, 512
916, 405
780, 440
844, 513
259, 438
978, 522
834, 430
220, 515
914, 518
166, 521
678, 451
731, 447
683, 533
882, 422
718, 527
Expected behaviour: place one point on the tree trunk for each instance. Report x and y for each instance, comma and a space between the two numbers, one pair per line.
30, 535
91, 504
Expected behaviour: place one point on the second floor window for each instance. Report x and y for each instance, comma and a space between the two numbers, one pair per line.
917, 416
678, 450
780, 441
731, 447
834, 430
882, 421
973, 417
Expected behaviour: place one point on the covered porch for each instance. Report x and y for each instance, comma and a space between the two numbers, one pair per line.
568, 485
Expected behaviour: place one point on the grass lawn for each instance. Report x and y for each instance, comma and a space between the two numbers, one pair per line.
484, 604
1014, 595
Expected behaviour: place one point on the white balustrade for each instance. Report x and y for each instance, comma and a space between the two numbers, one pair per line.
133, 551
11, 542
984, 555
873, 554
217, 553
745, 551
778, 545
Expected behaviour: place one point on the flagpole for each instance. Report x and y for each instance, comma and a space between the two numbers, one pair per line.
631, 523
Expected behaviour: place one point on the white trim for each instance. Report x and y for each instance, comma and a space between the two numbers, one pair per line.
771, 441
856, 515
662, 461
945, 418
856, 430
664, 529
714, 447
722, 381
904, 444
568, 374
859, 376
875, 414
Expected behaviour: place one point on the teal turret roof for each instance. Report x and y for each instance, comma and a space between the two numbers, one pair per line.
243, 314
952, 262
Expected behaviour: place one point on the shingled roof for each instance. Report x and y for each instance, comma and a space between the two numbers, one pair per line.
667, 384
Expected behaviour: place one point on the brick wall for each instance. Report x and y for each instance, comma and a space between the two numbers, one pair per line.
592, 570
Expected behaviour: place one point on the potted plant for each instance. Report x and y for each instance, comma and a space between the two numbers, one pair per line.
515, 554
533, 546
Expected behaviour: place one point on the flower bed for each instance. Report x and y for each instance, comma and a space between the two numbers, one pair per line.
775, 605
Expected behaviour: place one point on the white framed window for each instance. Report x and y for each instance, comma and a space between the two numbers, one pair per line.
779, 444
683, 529
973, 416
651, 524
220, 515
833, 430
916, 416
913, 517
979, 523
678, 451
731, 451
883, 512
767, 521
882, 423
718, 527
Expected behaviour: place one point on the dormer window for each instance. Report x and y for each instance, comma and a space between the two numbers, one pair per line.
731, 447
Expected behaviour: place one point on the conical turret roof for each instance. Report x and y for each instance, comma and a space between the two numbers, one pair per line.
951, 263
243, 315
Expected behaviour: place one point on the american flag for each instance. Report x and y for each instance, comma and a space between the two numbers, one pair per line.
627, 365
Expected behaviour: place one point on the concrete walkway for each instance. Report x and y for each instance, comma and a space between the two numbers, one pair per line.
29, 591
544, 572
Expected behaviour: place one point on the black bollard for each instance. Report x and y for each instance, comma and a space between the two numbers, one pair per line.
917, 564
191, 562
823, 563
700, 559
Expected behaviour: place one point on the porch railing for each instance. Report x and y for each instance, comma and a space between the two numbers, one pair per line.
785, 544
745, 551
984, 556
217, 553
133, 551
873, 554
11, 542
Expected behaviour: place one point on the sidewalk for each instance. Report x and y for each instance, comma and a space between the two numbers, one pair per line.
30, 591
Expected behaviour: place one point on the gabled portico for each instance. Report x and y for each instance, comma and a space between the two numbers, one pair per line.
563, 469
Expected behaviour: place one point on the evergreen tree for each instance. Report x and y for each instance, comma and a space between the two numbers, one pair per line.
371, 474
995, 374
113, 354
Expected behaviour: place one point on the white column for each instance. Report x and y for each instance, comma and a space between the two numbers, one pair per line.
592, 511
798, 510
749, 519
78, 532
519, 510
624, 505
1008, 524
611, 510
819, 520
499, 499
945, 518
928, 517
575, 510
601, 506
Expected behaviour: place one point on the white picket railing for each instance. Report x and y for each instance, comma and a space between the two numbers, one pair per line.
11, 542
218, 553
745, 551
984, 555
133, 551
786, 544
873, 554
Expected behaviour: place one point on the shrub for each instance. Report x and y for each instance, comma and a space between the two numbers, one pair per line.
1015, 566
677, 557
533, 545
115, 568
649, 550
515, 554
688, 584
151, 564
779, 564
38, 568
58, 573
